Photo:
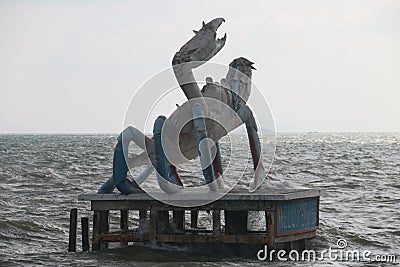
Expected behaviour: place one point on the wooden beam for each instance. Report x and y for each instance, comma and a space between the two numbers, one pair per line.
204, 195
201, 237
300, 236
124, 237
249, 205
211, 238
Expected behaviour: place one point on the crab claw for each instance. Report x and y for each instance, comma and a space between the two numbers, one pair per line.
214, 24
203, 46
221, 41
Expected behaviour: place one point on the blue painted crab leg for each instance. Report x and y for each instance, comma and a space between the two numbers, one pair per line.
247, 117
120, 170
204, 147
120, 166
217, 163
167, 176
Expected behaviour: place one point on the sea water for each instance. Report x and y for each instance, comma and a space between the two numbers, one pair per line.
42, 175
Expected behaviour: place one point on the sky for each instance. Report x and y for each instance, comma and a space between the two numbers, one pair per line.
74, 66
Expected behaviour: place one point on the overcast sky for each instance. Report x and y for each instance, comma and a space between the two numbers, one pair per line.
73, 66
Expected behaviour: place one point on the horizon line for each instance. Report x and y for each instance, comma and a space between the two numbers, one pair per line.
116, 133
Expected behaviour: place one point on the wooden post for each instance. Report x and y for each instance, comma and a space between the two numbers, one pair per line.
142, 218
217, 229
270, 218
153, 225
85, 233
217, 222
104, 227
142, 214
294, 245
72, 230
123, 223
194, 215
96, 231
179, 219
287, 246
236, 222
162, 221
302, 244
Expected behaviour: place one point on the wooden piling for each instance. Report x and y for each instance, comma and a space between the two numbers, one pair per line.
162, 221
85, 233
96, 231
142, 218
270, 219
104, 227
142, 214
124, 223
124, 220
153, 225
194, 215
179, 219
236, 221
217, 229
72, 229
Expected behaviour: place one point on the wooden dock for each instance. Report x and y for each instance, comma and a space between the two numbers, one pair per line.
292, 216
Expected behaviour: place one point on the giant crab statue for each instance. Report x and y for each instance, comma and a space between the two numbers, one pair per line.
196, 126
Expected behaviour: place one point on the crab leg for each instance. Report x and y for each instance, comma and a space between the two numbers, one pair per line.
217, 163
247, 117
204, 147
121, 163
167, 176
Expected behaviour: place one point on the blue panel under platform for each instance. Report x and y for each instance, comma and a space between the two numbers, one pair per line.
296, 216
